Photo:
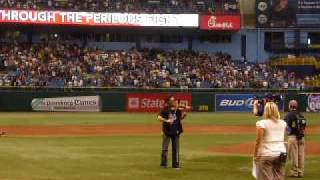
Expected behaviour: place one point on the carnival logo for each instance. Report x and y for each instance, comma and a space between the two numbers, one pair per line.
212, 23
314, 102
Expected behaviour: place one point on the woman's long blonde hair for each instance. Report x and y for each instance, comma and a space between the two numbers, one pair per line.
271, 111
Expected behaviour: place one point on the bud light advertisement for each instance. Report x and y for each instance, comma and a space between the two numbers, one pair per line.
237, 102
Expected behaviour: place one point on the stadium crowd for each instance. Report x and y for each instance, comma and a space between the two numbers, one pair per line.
60, 64
138, 6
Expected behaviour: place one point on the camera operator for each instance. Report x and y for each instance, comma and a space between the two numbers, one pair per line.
258, 107
260, 102
296, 142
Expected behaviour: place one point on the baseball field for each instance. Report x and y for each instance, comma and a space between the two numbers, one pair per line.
121, 146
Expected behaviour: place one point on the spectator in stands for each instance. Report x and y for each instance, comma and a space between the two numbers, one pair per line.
58, 63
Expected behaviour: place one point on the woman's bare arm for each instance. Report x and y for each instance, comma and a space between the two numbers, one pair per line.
259, 140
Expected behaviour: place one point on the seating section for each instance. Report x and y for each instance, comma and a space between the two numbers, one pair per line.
60, 64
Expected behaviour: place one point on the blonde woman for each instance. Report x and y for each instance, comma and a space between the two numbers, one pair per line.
270, 144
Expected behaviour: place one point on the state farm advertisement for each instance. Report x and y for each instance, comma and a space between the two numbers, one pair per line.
98, 19
153, 102
232, 23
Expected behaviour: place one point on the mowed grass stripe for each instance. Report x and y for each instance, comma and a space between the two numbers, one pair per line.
121, 158
54, 119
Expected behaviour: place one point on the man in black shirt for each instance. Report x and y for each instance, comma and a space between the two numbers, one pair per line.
296, 142
171, 116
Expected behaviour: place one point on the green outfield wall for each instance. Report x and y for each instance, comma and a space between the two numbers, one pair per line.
143, 100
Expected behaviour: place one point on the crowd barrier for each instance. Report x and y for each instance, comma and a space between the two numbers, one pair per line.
144, 100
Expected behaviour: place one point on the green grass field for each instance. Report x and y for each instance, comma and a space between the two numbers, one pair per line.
134, 157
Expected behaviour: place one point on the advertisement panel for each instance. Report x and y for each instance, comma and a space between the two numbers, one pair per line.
153, 102
202, 102
98, 19
237, 102
67, 104
308, 6
228, 22
313, 103
288, 13
234, 102
262, 12
308, 20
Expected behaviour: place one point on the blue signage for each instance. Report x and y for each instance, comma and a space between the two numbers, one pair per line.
308, 19
234, 102
237, 103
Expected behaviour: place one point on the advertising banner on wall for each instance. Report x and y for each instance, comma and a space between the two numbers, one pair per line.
153, 102
237, 103
98, 19
313, 103
234, 102
288, 13
227, 22
68, 104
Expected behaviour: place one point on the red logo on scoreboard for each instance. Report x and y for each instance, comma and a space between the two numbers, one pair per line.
220, 22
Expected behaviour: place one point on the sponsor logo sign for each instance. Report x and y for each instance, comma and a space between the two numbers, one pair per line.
234, 102
153, 102
237, 103
228, 22
313, 103
68, 104
98, 19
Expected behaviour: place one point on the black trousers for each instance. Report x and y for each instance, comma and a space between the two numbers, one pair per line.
175, 150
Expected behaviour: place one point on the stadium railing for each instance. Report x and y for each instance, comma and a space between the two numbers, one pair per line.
286, 61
